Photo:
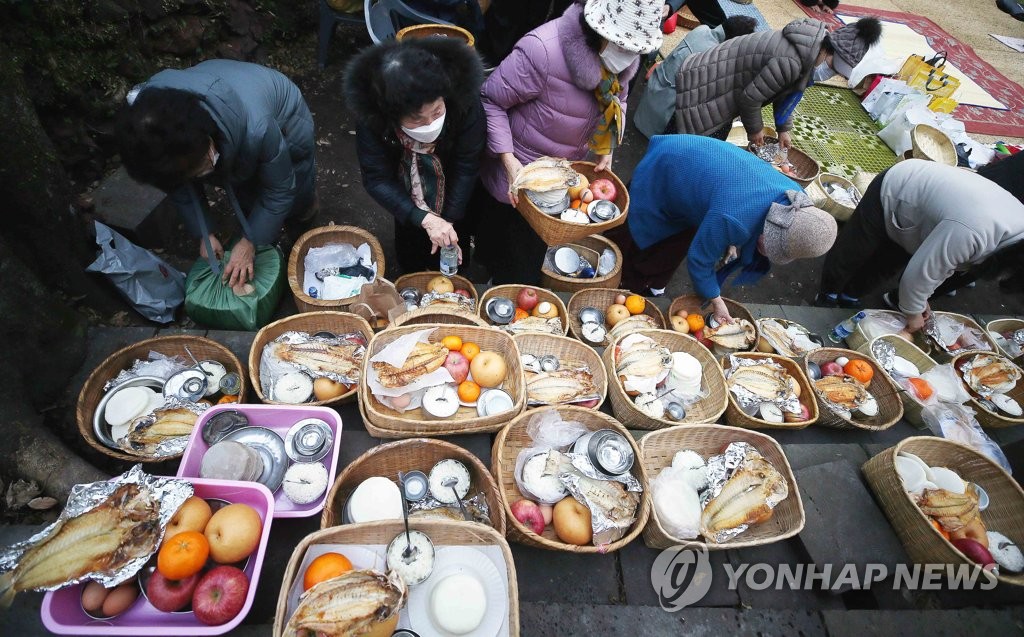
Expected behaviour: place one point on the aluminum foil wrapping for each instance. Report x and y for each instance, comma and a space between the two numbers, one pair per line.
720, 469
1017, 336
981, 389
476, 505
885, 353
158, 365
460, 302
273, 368
171, 493
839, 409
171, 446
748, 400
612, 509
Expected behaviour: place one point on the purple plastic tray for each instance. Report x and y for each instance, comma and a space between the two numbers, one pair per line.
280, 419
62, 610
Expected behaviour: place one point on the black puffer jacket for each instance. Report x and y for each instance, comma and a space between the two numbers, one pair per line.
459, 146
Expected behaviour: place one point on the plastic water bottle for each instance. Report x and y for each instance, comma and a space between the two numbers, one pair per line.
844, 329
449, 260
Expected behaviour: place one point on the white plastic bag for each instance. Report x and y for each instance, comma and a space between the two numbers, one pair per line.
886, 92
957, 423
880, 323
548, 431
908, 114
947, 385
150, 284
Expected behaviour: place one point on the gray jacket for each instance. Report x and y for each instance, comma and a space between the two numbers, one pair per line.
266, 140
740, 76
659, 97
946, 218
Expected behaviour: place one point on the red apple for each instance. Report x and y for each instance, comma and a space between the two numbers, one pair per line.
603, 189
529, 514
220, 595
464, 292
588, 404
170, 595
527, 299
458, 366
831, 368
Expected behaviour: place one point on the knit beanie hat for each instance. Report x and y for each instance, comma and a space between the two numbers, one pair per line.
851, 43
798, 230
634, 25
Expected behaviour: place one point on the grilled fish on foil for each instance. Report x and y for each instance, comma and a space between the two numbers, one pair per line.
123, 527
748, 497
349, 604
565, 385
633, 324
535, 325
987, 374
739, 334
449, 301
768, 382
341, 361
612, 501
423, 359
842, 390
545, 174
645, 359
953, 510
159, 434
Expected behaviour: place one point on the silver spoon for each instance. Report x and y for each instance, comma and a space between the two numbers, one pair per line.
190, 355
451, 482
407, 553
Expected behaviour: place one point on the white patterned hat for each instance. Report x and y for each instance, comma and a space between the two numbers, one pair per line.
634, 25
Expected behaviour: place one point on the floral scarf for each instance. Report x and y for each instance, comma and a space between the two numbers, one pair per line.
422, 173
612, 124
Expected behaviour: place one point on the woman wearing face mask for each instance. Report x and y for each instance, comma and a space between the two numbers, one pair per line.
560, 93
739, 77
420, 133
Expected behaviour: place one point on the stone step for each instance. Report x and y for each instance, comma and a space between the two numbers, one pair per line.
142, 213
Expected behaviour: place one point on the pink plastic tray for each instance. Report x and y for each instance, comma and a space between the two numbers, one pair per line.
62, 610
280, 419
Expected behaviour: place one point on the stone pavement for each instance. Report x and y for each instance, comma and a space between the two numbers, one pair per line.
561, 593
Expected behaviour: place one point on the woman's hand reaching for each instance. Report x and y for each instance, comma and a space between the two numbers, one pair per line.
441, 233
512, 168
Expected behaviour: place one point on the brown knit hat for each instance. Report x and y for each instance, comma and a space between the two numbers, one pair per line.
851, 43
797, 231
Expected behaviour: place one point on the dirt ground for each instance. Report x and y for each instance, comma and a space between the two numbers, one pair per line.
344, 201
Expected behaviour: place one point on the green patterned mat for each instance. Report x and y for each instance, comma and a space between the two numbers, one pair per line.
831, 126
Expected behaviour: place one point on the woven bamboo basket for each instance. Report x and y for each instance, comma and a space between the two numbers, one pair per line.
1000, 326
513, 438
829, 204
923, 542
311, 322
911, 405
441, 533
805, 169
692, 303
859, 340
762, 343
598, 244
708, 410
659, 447
942, 355
569, 352
928, 142
318, 238
410, 455
384, 422
435, 30
512, 291
992, 419
882, 389
862, 180
554, 231
92, 391
438, 315
601, 298
419, 280
737, 418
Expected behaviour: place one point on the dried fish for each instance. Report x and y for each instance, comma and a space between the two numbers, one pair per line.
565, 385
953, 510
788, 341
350, 604
987, 374
148, 433
422, 360
645, 359
843, 391
342, 359
748, 497
633, 324
535, 325
546, 174
767, 382
739, 334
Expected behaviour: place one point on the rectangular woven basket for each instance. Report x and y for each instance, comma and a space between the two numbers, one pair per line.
911, 406
737, 418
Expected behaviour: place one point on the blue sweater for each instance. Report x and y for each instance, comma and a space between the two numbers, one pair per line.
722, 190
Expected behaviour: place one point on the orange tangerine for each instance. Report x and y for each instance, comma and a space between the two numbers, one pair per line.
453, 343
635, 303
183, 555
469, 391
325, 567
470, 350
695, 321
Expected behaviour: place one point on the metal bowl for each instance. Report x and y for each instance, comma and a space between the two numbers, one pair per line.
567, 260
602, 210
500, 310
591, 314
99, 423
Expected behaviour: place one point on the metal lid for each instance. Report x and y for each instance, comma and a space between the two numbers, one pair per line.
602, 210
610, 452
188, 385
230, 384
500, 310
567, 260
494, 401
308, 440
410, 294
415, 485
221, 424
591, 315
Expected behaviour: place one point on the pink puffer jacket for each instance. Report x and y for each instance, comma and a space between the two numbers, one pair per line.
540, 100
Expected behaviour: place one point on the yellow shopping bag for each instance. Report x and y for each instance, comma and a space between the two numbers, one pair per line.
928, 75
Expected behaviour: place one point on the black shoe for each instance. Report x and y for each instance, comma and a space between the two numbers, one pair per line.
824, 300
890, 301
1013, 7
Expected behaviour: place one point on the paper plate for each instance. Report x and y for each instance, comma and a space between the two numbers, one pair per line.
452, 560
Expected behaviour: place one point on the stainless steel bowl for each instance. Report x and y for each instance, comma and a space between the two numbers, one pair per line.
99, 423
602, 210
591, 315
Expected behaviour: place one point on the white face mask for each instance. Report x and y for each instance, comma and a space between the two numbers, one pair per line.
617, 59
823, 72
426, 134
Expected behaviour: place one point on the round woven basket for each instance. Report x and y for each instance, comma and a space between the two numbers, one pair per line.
441, 532
311, 322
911, 406
691, 303
410, 455
92, 391
805, 169
598, 244
1000, 326
569, 352
708, 410
554, 231
438, 315
601, 298
829, 204
511, 292
435, 30
737, 418
318, 238
881, 388
762, 343
659, 447
992, 419
858, 339
923, 542
419, 280
942, 355
862, 180
384, 422
928, 142
514, 438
